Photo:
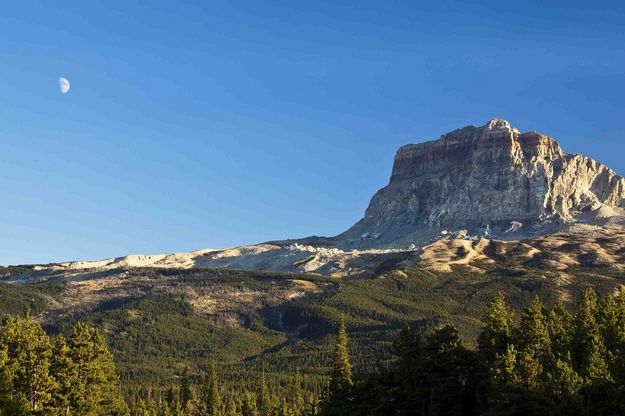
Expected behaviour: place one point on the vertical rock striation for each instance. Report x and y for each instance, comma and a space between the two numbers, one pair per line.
488, 180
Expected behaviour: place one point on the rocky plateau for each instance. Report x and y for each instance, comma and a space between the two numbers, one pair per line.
463, 199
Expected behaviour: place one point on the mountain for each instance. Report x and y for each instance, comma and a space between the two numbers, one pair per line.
490, 181
482, 210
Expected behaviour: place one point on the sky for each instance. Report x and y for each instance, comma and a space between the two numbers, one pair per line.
212, 124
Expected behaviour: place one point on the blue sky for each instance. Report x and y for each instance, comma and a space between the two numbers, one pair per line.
213, 124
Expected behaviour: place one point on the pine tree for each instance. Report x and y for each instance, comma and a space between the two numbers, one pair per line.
28, 351
611, 320
187, 393
297, 398
283, 409
589, 352
96, 389
8, 405
560, 326
503, 370
342, 370
338, 395
165, 410
608, 321
263, 399
407, 348
249, 407
533, 336
65, 373
142, 409
495, 336
563, 383
212, 398
616, 334
527, 371
594, 367
449, 368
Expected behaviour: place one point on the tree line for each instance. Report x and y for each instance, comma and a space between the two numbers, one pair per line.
76, 376
543, 361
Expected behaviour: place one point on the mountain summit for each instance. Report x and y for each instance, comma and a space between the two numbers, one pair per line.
447, 202
489, 180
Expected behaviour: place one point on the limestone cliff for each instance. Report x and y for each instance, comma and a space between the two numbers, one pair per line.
447, 202
489, 180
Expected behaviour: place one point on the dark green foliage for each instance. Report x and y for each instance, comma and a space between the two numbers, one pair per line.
211, 395
339, 392
434, 374
70, 378
341, 378
263, 399
519, 369
29, 354
18, 299
497, 333
95, 388
560, 327
158, 333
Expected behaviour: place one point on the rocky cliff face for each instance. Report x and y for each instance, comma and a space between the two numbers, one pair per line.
489, 180
446, 203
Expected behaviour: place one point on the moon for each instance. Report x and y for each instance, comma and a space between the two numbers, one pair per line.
63, 85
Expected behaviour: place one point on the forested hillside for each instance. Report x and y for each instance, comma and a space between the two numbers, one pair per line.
543, 361
165, 326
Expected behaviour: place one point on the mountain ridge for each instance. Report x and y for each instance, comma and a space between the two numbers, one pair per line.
489, 182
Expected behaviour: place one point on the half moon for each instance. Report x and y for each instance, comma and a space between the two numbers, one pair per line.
64, 85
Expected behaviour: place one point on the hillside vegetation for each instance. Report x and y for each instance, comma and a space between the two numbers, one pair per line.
162, 322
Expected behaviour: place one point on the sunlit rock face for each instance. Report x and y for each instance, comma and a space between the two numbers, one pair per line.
489, 180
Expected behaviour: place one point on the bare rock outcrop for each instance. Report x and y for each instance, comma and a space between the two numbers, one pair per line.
463, 199
491, 181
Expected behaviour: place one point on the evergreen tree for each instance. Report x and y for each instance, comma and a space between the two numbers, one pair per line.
173, 398
297, 398
589, 352
533, 336
249, 407
65, 372
142, 409
165, 410
342, 369
212, 397
312, 405
187, 392
608, 321
263, 398
560, 326
527, 371
504, 369
617, 334
283, 409
407, 348
449, 369
28, 354
96, 388
496, 335
338, 397
611, 320
9, 406
563, 382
